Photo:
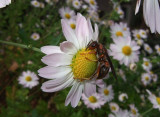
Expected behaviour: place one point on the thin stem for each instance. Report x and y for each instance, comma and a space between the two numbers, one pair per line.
21, 45
146, 112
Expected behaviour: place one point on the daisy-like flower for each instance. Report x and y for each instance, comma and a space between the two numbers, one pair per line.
151, 13
154, 100
153, 76
4, 3
125, 51
76, 4
146, 64
35, 3
72, 23
118, 9
92, 4
119, 31
114, 107
146, 78
134, 111
139, 34
93, 101
123, 97
28, 79
66, 13
148, 49
133, 66
35, 36
67, 65
157, 47
107, 93
121, 113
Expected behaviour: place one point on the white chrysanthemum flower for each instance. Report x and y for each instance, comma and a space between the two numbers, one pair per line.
114, 107
4, 3
92, 4
67, 65
147, 65
157, 47
121, 113
119, 10
125, 51
28, 79
35, 3
123, 97
139, 34
93, 101
154, 100
76, 4
66, 13
107, 92
119, 31
35, 36
148, 49
146, 78
134, 111
72, 23
151, 13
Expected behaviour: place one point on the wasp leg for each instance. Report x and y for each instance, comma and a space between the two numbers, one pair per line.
91, 60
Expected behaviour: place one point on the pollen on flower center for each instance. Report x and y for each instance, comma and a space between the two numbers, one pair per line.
92, 99
67, 16
113, 108
119, 34
73, 26
158, 100
92, 2
146, 63
138, 36
106, 92
28, 78
127, 50
84, 64
76, 3
134, 111
147, 78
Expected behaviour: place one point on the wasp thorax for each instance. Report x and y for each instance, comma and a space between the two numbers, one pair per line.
84, 64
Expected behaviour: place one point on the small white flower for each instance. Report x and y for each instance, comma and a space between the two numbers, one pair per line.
122, 113
35, 36
157, 47
146, 78
154, 100
154, 76
66, 13
134, 111
146, 64
28, 79
139, 34
119, 31
148, 48
107, 92
4, 3
35, 3
72, 23
133, 66
119, 10
76, 4
151, 13
92, 4
125, 51
123, 97
93, 101
114, 107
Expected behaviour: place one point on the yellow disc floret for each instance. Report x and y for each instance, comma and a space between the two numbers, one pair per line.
106, 92
92, 99
158, 100
73, 26
28, 78
119, 34
84, 64
127, 50
67, 15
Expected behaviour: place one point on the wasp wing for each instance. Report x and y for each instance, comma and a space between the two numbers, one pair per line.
110, 63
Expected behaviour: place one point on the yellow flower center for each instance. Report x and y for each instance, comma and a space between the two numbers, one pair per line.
148, 48
92, 99
113, 108
159, 49
143, 33
124, 29
127, 50
36, 3
138, 36
84, 64
28, 78
119, 34
146, 63
147, 78
134, 111
158, 100
35, 36
76, 3
106, 92
92, 2
73, 26
121, 13
67, 15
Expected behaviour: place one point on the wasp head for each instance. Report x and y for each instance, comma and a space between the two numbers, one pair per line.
92, 45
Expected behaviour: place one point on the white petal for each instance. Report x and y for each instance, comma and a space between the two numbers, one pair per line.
68, 47
50, 49
89, 89
157, 10
137, 6
54, 72
57, 59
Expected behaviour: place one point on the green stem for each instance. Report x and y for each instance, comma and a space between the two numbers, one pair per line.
21, 45
146, 112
